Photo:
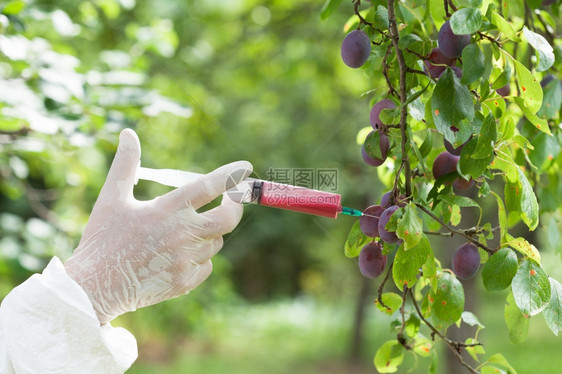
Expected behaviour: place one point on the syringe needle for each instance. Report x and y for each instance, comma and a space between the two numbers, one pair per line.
355, 212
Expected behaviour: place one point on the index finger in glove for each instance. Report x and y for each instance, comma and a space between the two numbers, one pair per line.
205, 189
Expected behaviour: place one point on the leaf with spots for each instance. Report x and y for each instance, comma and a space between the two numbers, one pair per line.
540, 123
447, 302
553, 311
531, 288
517, 324
422, 345
529, 88
410, 227
391, 300
546, 151
389, 357
524, 247
407, 264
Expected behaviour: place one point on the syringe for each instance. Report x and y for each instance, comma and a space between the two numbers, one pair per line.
257, 191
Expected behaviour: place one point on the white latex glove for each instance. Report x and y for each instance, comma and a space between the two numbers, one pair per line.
138, 253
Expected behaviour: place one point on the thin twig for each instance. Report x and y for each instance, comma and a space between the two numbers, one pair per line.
381, 287
385, 67
453, 345
400, 336
454, 231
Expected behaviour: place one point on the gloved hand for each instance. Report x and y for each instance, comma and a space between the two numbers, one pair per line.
138, 253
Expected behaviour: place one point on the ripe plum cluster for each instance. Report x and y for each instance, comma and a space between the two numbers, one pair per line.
355, 51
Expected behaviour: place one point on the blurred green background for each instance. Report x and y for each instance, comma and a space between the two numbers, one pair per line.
205, 83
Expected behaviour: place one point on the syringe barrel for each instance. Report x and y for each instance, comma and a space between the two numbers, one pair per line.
255, 191
300, 199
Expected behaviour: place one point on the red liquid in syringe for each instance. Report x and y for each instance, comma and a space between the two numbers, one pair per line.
298, 199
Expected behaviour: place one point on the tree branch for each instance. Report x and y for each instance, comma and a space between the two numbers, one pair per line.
393, 30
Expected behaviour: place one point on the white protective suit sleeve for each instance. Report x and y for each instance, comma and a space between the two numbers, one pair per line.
48, 325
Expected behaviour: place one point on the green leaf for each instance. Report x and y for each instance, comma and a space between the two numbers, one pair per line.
470, 166
430, 271
381, 18
487, 139
517, 323
14, 7
422, 346
552, 100
329, 7
553, 234
466, 21
531, 288
499, 270
524, 247
373, 145
355, 241
461, 201
512, 193
474, 351
553, 311
491, 369
434, 359
546, 149
470, 319
484, 189
529, 204
392, 300
427, 145
389, 357
473, 63
412, 325
530, 89
9, 124
407, 264
390, 115
447, 302
545, 51
499, 359
452, 105
505, 27
538, 122
410, 227
502, 217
